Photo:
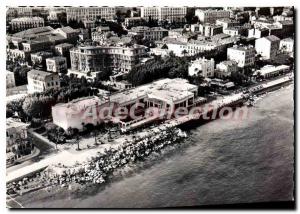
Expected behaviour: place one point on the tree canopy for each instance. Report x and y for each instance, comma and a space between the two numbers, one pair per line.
169, 67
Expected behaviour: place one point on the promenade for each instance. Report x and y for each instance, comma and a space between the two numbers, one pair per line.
68, 158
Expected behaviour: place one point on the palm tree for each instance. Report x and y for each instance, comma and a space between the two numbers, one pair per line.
258, 74
77, 141
184, 52
70, 131
95, 135
58, 131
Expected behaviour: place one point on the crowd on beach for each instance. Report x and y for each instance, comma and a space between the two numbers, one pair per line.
97, 169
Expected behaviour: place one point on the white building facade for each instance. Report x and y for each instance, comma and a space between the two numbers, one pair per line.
17, 144
225, 68
243, 55
210, 16
287, 45
171, 14
267, 47
152, 34
63, 49
90, 13
202, 67
96, 58
10, 79
56, 64
75, 114
40, 81
24, 23
270, 70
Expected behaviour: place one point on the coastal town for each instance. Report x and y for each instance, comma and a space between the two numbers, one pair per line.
91, 90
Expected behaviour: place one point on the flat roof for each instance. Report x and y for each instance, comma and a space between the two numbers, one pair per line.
164, 89
271, 68
81, 103
242, 48
64, 45
28, 19
57, 58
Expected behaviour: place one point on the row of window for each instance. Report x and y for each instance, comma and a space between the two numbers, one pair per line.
52, 83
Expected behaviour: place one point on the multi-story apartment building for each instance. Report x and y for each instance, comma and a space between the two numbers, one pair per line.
39, 58
67, 32
225, 68
89, 24
17, 144
210, 16
14, 12
96, 58
267, 47
202, 67
227, 23
190, 48
210, 29
154, 33
39, 81
217, 42
10, 79
258, 32
243, 55
57, 64
281, 29
14, 54
287, 28
90, 13
103, 29
63, 49
133, 21
262, 22
24, 23
171, 14
39, 39
236, 31
55, 14
102, 38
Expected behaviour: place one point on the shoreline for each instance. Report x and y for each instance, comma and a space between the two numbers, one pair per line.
100, 167
79, 187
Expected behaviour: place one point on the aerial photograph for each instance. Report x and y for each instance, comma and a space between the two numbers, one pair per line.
150, 107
